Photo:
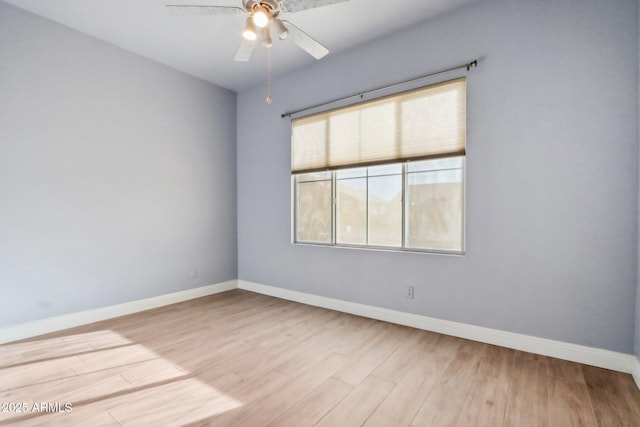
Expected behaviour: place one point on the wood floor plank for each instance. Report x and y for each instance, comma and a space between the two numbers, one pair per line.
401, 405
270, 407
358, 336
50, 349
569, 404
99, 339
284, 344
445, 402
157, 405
16, 397
92, 386
370, 356
113, 357
252, 389
354, 409
489, 392
103, 419
85, 417
308, 353
38, 373
152, 371
314, 405
244, 359
528, 392
318, 345
565, 369
396, 366
631, 392
613, 402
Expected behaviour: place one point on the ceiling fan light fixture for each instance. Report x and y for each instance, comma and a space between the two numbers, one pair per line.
260, 16
281, 29
249, 32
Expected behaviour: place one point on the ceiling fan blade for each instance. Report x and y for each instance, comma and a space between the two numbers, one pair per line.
300, 5
245, 50
183, 9
305, 41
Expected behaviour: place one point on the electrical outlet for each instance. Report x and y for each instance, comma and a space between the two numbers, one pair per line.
408, 292
194, 274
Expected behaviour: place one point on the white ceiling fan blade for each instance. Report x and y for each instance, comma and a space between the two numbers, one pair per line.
305, 41
300, 5
183, 9
245, 50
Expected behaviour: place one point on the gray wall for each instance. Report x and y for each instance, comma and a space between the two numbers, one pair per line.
552, 185
117, 174
637, 337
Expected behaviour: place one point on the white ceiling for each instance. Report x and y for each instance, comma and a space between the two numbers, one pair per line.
204, 46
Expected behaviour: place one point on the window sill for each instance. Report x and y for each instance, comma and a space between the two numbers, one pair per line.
383, 249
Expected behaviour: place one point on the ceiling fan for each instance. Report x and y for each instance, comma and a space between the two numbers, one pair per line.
262, 16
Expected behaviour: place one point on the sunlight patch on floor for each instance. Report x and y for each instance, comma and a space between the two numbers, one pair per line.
106, 378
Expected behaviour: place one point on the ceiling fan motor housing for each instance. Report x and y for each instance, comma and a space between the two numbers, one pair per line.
272, 6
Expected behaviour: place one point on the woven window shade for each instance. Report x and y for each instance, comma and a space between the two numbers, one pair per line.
424, 123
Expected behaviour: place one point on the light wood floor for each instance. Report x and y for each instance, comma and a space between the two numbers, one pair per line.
243, 359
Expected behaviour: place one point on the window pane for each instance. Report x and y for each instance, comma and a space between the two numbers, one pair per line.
351, 211
385, 169
385, 211
433, 165
314, 176
314, 212
434, 208
351, 173
369, 207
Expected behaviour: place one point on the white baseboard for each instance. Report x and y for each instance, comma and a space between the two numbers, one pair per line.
635, 371
576, 353
622, 362
58, 323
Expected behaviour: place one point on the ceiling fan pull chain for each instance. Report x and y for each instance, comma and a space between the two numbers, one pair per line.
269, 99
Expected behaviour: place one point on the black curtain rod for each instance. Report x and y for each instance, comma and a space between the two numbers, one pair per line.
468, 66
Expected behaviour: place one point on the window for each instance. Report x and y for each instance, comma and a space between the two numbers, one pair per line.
387, 173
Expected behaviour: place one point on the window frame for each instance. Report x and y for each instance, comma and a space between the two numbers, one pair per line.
333, 167
403, 248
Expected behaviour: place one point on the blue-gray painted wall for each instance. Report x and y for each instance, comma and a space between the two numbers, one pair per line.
117, 174
637, 328
552, 188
